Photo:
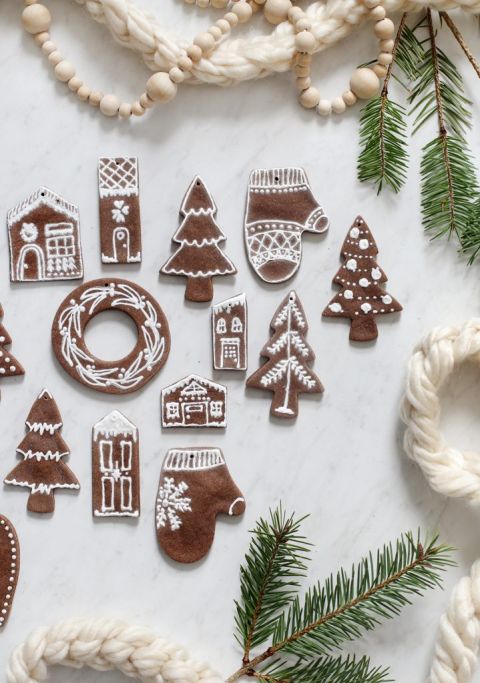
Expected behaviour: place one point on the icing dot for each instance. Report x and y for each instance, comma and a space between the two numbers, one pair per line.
387, 299
348, 294
366, 308
376, 273
364, 282
335, 308
354, 233
363, 244
12, 368
351, 264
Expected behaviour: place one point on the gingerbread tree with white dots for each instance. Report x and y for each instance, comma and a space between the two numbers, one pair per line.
362, 295
9, 365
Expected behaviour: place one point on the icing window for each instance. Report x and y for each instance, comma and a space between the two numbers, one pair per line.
221, 326
216, 409
126, 447
106, 456
237, 325
173, 410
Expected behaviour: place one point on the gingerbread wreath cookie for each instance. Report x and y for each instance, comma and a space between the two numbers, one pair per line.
280, 208
361, 279
195, 487
9, 567
126, 374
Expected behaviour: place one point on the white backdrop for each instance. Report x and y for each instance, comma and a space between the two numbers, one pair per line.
341, 461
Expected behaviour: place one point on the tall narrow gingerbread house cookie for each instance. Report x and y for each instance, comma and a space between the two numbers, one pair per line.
44, 239
120, 228
229, 334
115, 467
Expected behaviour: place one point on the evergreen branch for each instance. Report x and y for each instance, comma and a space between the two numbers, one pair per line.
325, 670
269, 577
471, 235
461, 41
409, 53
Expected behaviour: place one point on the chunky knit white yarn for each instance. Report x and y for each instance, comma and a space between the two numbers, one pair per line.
449, 471
105, 644
241, 59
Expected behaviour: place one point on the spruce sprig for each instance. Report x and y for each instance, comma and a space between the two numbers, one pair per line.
305, 633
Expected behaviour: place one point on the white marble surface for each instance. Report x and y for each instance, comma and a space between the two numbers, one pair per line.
341, 461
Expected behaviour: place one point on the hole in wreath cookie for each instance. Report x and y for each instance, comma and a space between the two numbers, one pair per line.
111, 335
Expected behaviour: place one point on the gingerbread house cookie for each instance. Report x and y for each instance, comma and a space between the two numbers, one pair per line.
194, 402
229, 334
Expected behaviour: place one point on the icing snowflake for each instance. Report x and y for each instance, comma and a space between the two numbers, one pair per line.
387, 299
120, 211
354, 233
335, 308
366, 308
351, 264
170, 501
363, 244
376, 273
29, 232
363, 282
348, 294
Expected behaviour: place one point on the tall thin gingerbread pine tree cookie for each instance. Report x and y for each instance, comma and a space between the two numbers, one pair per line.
9, 365
362, 296
42, 469
287, 372
9, 567
198, 258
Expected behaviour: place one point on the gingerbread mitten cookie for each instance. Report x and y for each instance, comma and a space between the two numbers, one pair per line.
198, 258
42, 469
287, 372
9, 567
44, 239
280, 207
195, 486
360, 277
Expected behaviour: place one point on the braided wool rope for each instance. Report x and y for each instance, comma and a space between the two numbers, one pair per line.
236, 60
105, 644
451, 472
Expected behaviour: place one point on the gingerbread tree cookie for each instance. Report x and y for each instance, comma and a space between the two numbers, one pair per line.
360, 277
198, 258
287, 373
9, 365
42, 469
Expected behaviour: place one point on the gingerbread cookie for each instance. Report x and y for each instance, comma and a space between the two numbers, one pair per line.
126, 374
44, 239
287, 373
194, 402
229, 334
9, 567
360, 277
198, 258
42, 469
115, 467
9, 365
195, 487
120, 228
280, 208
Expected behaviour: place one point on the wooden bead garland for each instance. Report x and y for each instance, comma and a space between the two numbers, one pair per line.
162, 86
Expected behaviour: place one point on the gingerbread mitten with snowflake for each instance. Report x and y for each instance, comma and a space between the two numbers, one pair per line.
195, 487
361, 279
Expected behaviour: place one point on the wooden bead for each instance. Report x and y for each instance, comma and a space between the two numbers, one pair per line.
364, 83
215, 32
219, 4
137, 109
303, 24
295, 14
384, 29
305, 41
386, 45
370, 4
36, 18
205, 41
385, 58
145, 101
380, 70
109, 105
309, 98
48, 47
194, 52
30, 2
349, 98
125, 110
75, 83
303, 83
176, 75
324, 107
276, 11
231, 18
303, 59
95, 98
185, 63
223, 25
338, 105
64, 71
378, 13
160, 88
42, 38
301, 71
55, 57
243, 10
83, 93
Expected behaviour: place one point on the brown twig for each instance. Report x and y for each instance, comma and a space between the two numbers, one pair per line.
461, 41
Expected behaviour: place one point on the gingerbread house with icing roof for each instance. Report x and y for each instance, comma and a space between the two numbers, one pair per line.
194, 402
44, 239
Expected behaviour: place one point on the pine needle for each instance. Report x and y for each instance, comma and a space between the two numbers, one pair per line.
326, 670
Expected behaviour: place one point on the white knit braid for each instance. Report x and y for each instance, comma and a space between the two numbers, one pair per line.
241, 59
449, 471
105, 644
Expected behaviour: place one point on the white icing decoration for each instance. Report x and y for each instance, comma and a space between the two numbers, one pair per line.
335, 308
114, 424
363, 244
387, 299
376, 273
351, 264
363, 282
190, 396
348, 294
366, 308
171, 502
354, 233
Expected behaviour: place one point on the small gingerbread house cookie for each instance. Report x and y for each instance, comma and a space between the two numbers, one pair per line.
194, 402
